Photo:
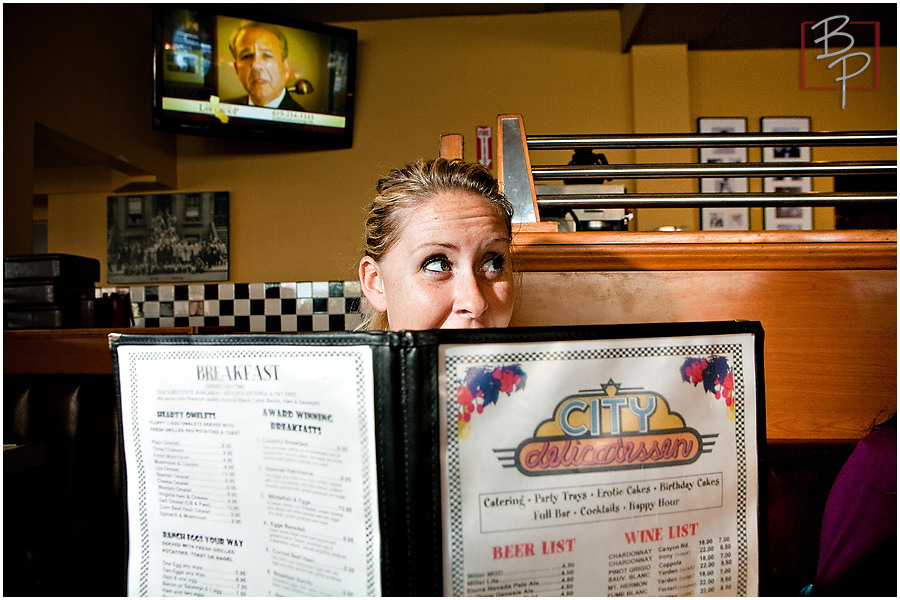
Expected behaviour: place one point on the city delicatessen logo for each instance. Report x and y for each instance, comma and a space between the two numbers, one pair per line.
608, 430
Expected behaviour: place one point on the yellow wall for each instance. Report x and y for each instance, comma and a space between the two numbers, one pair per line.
297, 215
661, 96
766, 83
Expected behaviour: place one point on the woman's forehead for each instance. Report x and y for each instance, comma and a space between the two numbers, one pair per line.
451, 218
452, 205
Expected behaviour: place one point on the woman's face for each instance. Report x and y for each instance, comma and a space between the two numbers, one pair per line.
448, 269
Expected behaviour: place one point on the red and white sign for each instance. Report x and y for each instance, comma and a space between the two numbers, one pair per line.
484, 146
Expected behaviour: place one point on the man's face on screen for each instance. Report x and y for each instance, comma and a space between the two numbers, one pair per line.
259, 64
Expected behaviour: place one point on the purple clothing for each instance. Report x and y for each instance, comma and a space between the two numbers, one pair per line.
858, 545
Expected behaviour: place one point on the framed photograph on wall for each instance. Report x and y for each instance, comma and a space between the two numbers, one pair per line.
167, 237
724, 218
785, 125
788, 217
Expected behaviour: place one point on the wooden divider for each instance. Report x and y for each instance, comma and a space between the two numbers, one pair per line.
452, 146
827, 302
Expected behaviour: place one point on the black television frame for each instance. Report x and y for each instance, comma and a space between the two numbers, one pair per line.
305, 129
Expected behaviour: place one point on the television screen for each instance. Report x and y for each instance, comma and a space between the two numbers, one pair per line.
229, 72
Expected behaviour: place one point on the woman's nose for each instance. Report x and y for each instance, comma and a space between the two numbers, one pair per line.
469, 299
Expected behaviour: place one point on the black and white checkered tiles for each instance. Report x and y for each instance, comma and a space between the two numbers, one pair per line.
248, 307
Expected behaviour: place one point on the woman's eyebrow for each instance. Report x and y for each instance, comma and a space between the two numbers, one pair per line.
451, 246
497, 240
443, 245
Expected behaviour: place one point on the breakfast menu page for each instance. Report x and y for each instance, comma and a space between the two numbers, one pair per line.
251, 470
600, 468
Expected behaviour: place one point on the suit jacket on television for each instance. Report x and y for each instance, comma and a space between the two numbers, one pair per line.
287, 103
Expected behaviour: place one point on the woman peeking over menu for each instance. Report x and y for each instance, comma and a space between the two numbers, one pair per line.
437, 252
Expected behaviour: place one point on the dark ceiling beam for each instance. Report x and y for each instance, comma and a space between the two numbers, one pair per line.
52, 148
742, 26
629, 21
342, 13
661, 23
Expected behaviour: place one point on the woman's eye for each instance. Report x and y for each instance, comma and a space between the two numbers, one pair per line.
437, 264
494, 264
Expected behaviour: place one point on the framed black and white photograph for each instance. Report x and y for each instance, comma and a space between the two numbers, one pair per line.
725, 219
793, 217
787, 218
731, 218
785, 125
167, 237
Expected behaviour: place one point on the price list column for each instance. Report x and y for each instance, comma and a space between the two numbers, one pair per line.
715, 568
196, 481
556, 580
196, 484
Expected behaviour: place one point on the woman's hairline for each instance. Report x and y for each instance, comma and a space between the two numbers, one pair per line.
416, 201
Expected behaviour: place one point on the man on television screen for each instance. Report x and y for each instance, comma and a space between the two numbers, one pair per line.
260, 60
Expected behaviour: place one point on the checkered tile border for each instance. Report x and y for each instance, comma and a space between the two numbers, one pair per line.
247, 307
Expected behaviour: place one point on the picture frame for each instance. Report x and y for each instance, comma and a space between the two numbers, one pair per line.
171, 237
723, 218
785, 125
787, 217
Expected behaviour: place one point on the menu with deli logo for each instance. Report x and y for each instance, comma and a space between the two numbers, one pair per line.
601, 468
601, 461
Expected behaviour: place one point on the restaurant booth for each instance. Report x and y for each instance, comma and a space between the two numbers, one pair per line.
825, 298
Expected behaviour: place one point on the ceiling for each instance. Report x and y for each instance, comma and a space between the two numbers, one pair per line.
743, 26
737, 26
343, 12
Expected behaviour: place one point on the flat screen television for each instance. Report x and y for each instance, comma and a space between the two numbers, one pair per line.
216, 65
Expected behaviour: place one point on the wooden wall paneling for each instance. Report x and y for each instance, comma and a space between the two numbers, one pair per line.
830, 336
74, 351
826, 300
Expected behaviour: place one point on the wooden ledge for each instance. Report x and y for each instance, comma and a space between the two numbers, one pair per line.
705, 250
78, 351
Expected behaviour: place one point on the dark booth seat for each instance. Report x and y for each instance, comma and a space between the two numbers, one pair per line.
64, 528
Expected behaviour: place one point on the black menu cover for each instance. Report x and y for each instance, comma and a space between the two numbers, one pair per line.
602, 460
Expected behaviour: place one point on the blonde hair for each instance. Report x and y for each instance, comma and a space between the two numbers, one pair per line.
402, 190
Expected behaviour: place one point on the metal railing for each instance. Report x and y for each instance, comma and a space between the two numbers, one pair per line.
518, 175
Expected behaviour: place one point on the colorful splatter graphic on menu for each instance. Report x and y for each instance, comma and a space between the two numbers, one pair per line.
482, 387
716, 376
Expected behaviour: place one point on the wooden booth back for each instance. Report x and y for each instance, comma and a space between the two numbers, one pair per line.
826, 300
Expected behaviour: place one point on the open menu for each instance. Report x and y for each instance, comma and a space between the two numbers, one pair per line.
563, 461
